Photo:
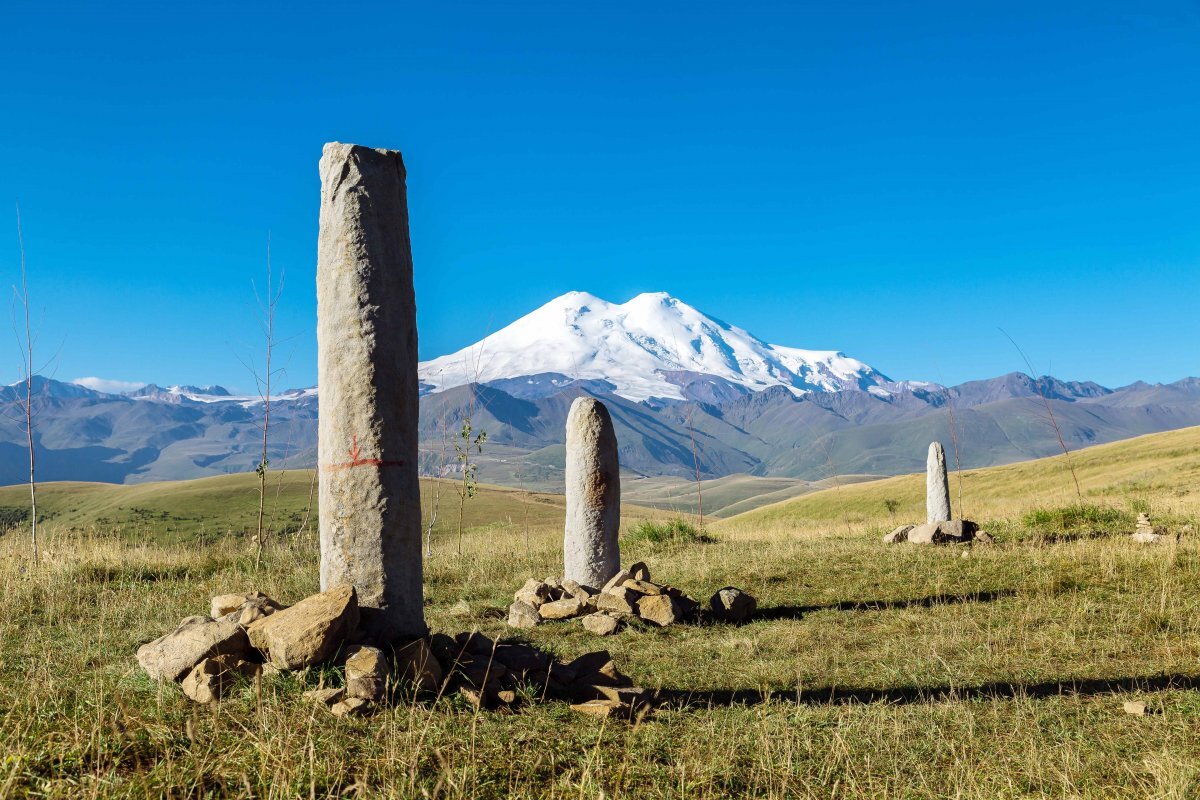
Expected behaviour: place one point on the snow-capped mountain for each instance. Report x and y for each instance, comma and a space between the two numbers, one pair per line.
654, 346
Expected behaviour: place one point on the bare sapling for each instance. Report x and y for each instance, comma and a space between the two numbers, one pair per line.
267, 306
696, 465
434, 493
467, 444
1062, 442
24, 337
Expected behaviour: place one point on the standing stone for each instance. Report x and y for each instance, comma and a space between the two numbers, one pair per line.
590, 549
937, 485
370, 505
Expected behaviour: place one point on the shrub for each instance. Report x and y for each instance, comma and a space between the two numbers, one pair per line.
672, 531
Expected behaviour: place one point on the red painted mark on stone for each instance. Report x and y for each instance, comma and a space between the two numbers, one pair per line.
356, 459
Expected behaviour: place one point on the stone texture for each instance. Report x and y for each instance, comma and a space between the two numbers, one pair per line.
370, 504
366, 673
639, 571
350, 706
946, 532
616, 580
643, 587
172, 656
325, 697
602, 708
900, 534
620, 600
309, 632
562, 609
591, 553
416, 666
731, 604
661, 609
937, 485
212, 676
1145, 532
533, 593
523, 615
602, 624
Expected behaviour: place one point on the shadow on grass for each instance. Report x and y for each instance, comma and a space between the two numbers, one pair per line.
796, 612
900, 695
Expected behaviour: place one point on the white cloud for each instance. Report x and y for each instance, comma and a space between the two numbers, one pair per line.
109, 386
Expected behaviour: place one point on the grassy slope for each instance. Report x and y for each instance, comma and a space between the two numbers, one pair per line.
1164, 467
870, 672
206, 507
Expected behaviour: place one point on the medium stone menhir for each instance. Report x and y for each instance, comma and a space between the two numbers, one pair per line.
591, 553
370, 505
937, 485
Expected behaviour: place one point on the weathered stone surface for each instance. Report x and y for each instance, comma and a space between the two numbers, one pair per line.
366, 673
309, 632
350, 706
1145, 532
616, 580
576, 589
172, 656
416, 666
325, 697
731, 604
523, 615
1136, 708
475, 643
945, 532
533, 593
370, 504
900, 534
566, 608
591, 553
639, 571
643, 587
937, 485
602, 708
661, 609
619, 599
223, 604
1146, 537
602, 624
211, 677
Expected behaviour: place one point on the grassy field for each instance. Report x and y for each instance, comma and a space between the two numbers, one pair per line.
871, 671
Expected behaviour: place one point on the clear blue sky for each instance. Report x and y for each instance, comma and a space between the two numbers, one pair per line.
894, 180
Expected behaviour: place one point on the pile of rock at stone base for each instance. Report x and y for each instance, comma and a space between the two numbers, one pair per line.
953, 531
630, 594
247, 635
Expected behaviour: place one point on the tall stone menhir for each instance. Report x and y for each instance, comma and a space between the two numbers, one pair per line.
590, 549
937, 485
370, 505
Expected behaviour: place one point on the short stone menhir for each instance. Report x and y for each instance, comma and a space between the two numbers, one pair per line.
940, 527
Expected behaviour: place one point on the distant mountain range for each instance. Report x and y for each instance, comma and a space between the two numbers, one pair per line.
670, 375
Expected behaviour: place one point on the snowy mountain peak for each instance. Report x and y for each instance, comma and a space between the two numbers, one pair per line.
652, 346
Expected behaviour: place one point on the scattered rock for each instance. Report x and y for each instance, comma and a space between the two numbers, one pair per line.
952, 531
643, 587
983, 537
325, 697
639, 571
350, 706
309, 632
732, 605
533, 593
523, 615
900, 534
366, 673
602, 708
566, 608
172, 656
1136, 708
661, 609
475, 643
417, 666
616, 580
619, 599
1146, 538
212, 676
223, 604
602, 624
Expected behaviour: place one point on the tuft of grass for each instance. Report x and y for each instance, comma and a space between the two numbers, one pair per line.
675, 531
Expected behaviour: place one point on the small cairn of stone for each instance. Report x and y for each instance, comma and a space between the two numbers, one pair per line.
1145, 532
248, 635
630, 594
